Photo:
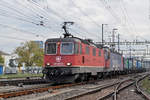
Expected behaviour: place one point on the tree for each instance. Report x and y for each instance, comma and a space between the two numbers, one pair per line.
30, 53
1, 60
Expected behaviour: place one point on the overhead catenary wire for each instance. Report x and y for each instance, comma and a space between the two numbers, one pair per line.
46, 10
130, 21
5, 14
34, 22
21, 18
19, 30
85, 14
18, 18
56, 14
14, 38
35, 14
16, 29
59, 16
33, 10
110, 9
26, 18
11, 7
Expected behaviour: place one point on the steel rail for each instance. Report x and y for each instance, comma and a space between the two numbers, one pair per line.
117, 90
102, 87
36, 90
92, 91
139, 90
22, 81
46, 88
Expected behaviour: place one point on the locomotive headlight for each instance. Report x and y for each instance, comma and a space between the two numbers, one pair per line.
48, 64
69, 64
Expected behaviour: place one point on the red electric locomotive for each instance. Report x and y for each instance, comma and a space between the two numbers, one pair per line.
72, 59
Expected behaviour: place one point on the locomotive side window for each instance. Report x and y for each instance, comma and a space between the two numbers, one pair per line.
99, 53
66, 48
94, 51
80, 49
87, 50
51, 48
76, 48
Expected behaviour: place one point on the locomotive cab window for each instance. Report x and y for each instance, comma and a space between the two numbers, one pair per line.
66, 48
51, 48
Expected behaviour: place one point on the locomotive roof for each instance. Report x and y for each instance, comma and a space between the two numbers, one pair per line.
71, 39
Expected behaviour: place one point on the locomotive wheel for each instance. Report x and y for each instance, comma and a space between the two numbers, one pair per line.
77, 79
80, 78
100, 75
87, 76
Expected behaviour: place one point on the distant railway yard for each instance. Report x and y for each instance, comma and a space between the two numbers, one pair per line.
123, 87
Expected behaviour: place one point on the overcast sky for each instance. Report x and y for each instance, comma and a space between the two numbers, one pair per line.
20, 19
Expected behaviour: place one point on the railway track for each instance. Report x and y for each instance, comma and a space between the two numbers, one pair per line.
106, 92
98, 93
36, 90
40, 89
135, 82
137, 89
52, 89
17, 82
141, 91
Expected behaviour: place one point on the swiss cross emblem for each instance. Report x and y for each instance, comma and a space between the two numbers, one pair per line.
58, 58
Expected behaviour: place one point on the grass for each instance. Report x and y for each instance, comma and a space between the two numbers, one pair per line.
146, 84
10, 76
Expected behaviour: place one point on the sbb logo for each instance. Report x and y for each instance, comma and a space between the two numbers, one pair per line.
58, 58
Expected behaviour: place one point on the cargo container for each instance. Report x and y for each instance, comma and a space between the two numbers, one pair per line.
138, 64
146, 65
1, 69
130, 63
125, 62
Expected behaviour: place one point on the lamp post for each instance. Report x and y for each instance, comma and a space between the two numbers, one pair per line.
103, 33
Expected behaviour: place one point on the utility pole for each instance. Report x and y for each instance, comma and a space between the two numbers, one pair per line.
103, 33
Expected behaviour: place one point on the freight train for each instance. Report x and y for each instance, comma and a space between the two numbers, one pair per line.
72, 59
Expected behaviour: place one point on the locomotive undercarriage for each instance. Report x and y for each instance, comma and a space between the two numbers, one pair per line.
76, 74
71, 74
59, 75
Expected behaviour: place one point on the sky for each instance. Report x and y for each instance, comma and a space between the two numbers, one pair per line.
20, 20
